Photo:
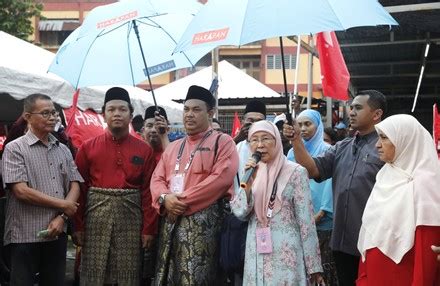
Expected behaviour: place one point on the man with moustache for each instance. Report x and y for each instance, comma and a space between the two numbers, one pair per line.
353, 164
116, 216
155, 130
188, 185
42, 185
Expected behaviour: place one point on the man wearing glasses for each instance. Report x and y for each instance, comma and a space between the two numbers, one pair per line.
42, 184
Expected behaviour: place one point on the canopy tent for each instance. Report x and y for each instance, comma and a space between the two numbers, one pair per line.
23, 70
232, 83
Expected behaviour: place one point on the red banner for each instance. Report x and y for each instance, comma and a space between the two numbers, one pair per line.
2, 141
334, 72
84, 125
236, 125
436, 128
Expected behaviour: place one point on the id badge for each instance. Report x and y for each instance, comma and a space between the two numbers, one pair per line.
177, 183
264, 240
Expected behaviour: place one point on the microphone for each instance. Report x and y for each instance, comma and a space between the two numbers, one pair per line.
250, 171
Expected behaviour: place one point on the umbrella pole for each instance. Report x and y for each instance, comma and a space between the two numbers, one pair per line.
136, 31
284, 74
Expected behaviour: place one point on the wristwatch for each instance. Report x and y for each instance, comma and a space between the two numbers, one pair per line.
162, 199
64, 217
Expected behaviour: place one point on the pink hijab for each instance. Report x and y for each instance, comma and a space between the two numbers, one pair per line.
279, 170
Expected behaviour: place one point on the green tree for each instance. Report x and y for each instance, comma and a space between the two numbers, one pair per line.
15, 16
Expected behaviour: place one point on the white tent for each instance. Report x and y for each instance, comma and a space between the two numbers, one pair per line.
23, 71
233, 83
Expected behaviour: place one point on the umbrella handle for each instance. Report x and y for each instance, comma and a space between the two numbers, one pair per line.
136, 31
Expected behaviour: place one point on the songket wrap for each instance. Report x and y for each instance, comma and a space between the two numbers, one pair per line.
113, 223
188, 248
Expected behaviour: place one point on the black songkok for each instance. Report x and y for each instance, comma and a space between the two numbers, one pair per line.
149, 112
198, 92
256, 106
117, 93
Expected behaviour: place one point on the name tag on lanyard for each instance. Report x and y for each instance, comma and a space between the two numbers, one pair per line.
177, 182
264, 240
264, 235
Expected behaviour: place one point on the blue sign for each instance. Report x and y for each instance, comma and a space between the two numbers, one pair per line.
160, 67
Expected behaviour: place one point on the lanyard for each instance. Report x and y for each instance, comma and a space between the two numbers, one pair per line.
193, 153
271, 204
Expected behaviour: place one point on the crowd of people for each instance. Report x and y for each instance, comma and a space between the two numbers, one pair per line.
279, 204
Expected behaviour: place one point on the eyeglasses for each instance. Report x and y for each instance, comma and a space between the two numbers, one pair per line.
47, 114
263, 141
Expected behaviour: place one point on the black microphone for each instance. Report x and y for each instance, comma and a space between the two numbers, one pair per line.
250, 171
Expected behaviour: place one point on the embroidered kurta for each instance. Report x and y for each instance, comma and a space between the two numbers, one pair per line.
294, 241
188, 249
209, 177
117, 164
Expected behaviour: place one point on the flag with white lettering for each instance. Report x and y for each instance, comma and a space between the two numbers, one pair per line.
83, 125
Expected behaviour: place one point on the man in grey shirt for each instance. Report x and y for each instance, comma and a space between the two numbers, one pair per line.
42, 192
353, 164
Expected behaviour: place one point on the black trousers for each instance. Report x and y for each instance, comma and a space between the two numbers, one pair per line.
46, 258
347, 266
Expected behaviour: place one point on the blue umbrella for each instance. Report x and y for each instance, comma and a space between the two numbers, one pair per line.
125, 43
239, 22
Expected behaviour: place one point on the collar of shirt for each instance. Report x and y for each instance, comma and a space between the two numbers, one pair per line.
196, 137
109, 136
368, 137
32, 139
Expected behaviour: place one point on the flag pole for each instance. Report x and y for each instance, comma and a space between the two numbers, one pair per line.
214, 63
295, 88
310, 76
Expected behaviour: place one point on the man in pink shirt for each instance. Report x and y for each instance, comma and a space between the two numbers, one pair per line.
188, 186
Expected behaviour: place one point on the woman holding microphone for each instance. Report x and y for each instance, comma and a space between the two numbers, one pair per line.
282, 246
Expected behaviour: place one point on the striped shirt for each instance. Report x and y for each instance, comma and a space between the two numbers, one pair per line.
46, 168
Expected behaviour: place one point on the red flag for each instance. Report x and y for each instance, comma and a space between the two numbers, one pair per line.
236, 125
73, 110
83, 125
334, 73
2, 141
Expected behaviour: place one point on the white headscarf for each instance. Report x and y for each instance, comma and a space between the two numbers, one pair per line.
406, 193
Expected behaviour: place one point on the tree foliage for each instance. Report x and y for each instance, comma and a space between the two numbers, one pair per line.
15, 16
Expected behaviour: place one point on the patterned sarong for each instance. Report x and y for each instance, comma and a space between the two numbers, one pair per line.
328, 264
112, 242
188, 249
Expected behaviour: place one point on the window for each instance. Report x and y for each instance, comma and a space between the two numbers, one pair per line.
53, 38
249, 65
274, 62
53, 32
